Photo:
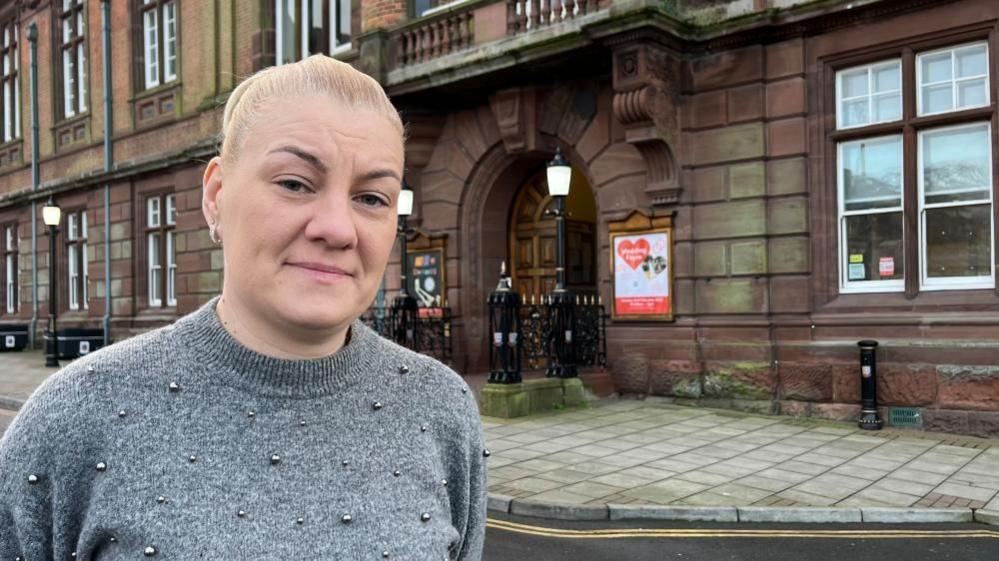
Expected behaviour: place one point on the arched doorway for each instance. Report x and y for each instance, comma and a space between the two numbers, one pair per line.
532, 242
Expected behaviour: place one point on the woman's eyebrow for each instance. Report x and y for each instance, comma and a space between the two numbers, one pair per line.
380, 173
309, 158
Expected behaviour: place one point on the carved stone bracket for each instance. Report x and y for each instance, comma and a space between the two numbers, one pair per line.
516, 114
645, 85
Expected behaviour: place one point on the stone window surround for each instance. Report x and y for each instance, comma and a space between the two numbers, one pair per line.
826, 243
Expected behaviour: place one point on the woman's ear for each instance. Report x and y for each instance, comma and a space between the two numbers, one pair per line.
211, 192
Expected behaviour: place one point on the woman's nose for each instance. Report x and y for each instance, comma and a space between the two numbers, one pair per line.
333, 221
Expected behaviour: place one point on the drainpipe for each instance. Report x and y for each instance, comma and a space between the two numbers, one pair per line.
33, 39
108, 165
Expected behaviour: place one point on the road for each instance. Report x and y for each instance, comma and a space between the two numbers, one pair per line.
513, 538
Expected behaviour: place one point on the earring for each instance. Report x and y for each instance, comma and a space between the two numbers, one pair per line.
213, 234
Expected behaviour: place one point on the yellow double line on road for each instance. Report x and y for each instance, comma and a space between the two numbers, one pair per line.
682, 533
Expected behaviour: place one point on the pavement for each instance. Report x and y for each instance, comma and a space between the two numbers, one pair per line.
649, 459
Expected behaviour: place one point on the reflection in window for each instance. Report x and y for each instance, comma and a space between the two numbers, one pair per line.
955, 180
870, 213
306, 27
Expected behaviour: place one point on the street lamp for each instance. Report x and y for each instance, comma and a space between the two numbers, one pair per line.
404, 307
561, 304
51, 215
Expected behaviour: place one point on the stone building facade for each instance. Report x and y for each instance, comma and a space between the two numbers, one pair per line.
804, 150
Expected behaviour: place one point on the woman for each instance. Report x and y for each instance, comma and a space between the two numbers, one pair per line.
270, 423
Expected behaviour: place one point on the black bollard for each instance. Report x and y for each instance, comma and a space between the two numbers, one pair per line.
869, 418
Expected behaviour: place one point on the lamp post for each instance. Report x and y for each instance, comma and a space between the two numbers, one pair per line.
51, 215
404, 307
561, 304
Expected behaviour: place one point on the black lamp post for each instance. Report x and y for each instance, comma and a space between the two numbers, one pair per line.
51, 215
562, 303
404, 308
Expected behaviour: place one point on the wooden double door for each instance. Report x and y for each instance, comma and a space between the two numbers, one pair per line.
533, 241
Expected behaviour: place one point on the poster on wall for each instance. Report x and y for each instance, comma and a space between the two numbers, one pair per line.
426, 278
642, 268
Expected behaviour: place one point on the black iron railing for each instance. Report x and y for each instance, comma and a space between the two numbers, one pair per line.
590, 332
431, 332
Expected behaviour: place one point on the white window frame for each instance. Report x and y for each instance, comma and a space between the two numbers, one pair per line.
74, 79
169, 41
870, 95
83, 259
953, 283
153, 265
846, 286
72, 274
171, 249
150, 47
304, 15
11, 89
10, 265
154, 269
953, 78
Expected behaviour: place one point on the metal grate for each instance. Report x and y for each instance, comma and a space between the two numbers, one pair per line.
905, 417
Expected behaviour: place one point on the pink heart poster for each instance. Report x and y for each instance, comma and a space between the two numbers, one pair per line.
642, 274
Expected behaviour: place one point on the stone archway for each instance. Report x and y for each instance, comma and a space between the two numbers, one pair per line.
484, 222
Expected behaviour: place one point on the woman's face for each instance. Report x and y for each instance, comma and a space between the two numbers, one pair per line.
307, 212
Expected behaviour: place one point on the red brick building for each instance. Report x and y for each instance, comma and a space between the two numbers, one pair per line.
830, 168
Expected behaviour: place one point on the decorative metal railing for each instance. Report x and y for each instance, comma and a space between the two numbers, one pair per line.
431, 334
590, 332
454, 29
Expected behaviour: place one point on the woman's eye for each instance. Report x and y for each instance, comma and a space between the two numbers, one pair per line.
293, 185
372, 200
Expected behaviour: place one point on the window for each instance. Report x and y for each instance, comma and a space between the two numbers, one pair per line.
10, 268
869, 94
159, 41
305, 27
870, 208
73, 55
955, 206
11, 98
939, 168
161, 253
76, 258
953, 79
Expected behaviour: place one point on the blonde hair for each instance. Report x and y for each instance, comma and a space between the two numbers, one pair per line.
315, 75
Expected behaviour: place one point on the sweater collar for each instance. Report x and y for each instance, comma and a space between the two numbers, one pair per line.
232, 363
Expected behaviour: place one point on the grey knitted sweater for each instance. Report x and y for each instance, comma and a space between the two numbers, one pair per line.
183, 444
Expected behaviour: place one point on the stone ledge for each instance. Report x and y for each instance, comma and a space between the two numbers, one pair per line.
986, 516
798, 514
682, 513
915, 515
558, 510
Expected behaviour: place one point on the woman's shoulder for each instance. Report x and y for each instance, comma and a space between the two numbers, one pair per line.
437, 383
60, 407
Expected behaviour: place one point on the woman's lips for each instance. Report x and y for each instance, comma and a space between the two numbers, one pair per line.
321, 272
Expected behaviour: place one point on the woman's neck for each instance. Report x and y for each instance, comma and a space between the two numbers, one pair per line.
265, 338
